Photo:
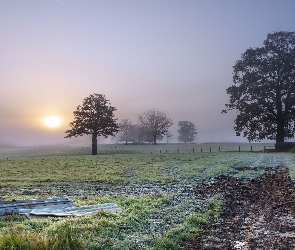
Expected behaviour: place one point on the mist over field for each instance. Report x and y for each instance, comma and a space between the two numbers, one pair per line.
173, 56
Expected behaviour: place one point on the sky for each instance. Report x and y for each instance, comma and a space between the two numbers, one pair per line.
175, 56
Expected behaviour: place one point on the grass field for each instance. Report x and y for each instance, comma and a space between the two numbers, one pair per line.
153, 185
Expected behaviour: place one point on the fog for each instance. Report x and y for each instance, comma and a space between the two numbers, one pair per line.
174, 56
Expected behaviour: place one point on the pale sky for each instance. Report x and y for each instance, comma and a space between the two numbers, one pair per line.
172, 55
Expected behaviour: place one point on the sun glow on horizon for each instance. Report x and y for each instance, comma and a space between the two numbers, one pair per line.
52, 121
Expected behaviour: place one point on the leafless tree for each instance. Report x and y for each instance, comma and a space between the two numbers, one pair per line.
168, 135
156, 122
125, 129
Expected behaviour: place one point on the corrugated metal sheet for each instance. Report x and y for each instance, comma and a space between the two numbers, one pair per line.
52, 207
76, 211
19, 206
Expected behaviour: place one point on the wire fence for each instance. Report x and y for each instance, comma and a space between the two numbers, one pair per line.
142, 149
187, 148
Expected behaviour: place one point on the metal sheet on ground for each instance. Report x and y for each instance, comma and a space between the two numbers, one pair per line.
23, 206
76, 211
52, 207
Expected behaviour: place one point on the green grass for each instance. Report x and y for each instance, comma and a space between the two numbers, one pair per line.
117, 168
191, 227
105, 230
30, 171
63, 236
154, 221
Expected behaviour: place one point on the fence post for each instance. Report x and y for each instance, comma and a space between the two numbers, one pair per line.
239, 148
219, 149
251, 148
193, 150
210, 149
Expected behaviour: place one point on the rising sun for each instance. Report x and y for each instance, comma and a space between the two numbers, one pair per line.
52, 121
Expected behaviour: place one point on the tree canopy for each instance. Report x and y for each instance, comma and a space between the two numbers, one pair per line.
187, 131
95, 117
264, 90
156, 122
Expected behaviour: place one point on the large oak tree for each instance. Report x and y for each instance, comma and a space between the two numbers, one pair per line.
264, 90
95, 117
156, 122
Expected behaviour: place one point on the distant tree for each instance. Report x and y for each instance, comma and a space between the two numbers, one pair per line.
156, 122
95, 117
137, 132
187, 131
148, 137
125, 129
264, 90
168, 135
140, 134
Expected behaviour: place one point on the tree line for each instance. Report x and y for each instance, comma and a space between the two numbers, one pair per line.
95, 117
263, 95
152, 127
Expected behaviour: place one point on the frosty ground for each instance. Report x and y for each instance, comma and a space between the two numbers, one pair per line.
159, 192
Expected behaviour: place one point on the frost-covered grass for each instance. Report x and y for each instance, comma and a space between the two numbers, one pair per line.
48, 170
134, 228
131, 167
120, 148
206, 165
120, 163
157, 219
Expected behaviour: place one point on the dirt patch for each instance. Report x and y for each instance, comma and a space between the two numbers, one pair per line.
258, 213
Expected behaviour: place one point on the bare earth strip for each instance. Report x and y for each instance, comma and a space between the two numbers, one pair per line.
258, 213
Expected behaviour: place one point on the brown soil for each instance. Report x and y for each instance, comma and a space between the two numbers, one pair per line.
257, 213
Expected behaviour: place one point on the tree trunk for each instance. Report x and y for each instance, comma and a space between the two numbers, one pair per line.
94, 144
280, 136
155, 139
